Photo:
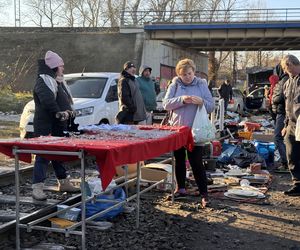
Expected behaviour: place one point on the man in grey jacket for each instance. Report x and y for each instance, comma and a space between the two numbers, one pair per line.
291, 65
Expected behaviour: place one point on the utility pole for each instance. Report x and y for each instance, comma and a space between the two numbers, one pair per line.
17, 8
234, 68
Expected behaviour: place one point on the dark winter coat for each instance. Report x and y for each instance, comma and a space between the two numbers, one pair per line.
130, 99
225, 91
47, 105
278, 101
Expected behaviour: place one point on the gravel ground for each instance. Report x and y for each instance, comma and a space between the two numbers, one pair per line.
225, 224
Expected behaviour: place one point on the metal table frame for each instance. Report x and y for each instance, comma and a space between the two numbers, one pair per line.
71, 230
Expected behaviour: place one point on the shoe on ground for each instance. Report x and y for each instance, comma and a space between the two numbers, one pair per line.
64, 185
282, 169
178, 196
38, 192
294, 191
204, 202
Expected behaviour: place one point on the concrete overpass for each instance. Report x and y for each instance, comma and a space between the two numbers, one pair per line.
234, 30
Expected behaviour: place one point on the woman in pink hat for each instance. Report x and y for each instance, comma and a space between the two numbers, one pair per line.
53, 111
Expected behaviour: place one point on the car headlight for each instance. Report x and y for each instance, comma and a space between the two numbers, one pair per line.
84, 111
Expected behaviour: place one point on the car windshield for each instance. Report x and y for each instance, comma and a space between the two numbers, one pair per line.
258, 93
87, 87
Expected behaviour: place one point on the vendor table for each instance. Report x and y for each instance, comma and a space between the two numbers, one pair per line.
111, 149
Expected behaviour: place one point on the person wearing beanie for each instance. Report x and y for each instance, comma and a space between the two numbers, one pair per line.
278, 111
147, 88
53, 113
131, 104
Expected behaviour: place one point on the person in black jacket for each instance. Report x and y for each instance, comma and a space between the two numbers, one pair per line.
225, 92
291, 65
278, 109
131, 103
53, 111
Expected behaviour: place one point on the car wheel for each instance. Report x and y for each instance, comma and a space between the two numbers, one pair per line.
104, 121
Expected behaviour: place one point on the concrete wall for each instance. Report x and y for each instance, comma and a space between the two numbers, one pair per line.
157, 52
82, 49
88, 49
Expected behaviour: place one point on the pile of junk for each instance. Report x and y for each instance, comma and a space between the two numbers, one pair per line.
238, 163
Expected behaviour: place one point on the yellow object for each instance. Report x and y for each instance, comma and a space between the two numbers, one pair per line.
245, 134
61, 223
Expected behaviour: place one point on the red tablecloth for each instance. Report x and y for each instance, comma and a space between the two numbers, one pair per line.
109, 153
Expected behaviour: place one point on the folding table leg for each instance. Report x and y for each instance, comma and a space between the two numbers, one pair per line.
83, 198
173, 178
138, 182
17, 185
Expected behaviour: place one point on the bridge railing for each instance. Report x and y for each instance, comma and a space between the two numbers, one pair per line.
139, 18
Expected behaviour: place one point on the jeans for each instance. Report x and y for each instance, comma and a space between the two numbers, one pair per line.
40, 169
225, 105
293, 153
278, 138
195, 159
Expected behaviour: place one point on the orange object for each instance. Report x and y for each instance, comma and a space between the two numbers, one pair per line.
252, 126
245, 135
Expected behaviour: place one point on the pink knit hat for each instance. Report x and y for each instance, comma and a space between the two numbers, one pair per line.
53, 60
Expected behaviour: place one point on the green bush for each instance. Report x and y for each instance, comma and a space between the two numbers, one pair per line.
10, 101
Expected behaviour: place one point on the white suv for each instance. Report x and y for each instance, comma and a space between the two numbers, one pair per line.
95, 99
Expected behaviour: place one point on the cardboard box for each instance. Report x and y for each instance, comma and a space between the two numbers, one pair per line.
155, 172
131, 170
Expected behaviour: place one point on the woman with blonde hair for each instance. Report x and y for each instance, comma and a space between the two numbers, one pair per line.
185, 94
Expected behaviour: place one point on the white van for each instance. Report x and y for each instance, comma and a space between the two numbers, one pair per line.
95, 99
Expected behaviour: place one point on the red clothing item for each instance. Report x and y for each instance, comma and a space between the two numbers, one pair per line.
273, 79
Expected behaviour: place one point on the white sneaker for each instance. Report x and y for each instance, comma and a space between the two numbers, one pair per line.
64, 185
38, 192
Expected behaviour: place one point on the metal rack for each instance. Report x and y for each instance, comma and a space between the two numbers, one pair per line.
33, 225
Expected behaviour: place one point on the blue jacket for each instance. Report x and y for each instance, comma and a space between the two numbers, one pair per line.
184, 114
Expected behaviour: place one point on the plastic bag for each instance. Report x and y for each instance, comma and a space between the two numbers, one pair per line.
98, 206
202, 129
297, 131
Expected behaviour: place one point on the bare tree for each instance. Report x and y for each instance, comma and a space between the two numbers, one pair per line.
17, 69
43, 12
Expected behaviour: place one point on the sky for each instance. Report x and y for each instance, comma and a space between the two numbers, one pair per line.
7, 18
282, 4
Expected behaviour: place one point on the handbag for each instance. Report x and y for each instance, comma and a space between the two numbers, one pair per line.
202, 130
166, 119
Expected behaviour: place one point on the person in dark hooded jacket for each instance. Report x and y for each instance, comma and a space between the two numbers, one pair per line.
53, 111
147, 88
131, 104
278, 109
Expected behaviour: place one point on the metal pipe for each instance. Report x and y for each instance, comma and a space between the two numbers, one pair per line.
83, 199
173, 178
17, 185
138, 182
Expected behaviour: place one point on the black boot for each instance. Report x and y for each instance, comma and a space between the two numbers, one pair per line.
294, 191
